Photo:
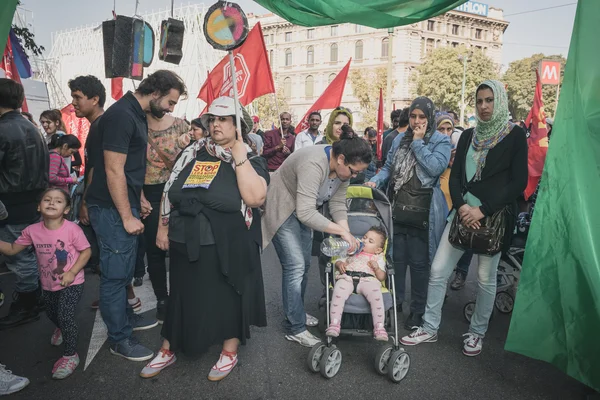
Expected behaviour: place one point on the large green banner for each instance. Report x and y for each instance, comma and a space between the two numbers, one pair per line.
373, 13
7, 10
557, 311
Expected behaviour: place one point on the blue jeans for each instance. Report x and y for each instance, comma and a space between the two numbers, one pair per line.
445, 259
118, 251
293, 244
24, 265
414, 252
463, 264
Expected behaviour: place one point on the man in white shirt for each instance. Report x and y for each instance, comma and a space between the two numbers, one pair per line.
312, 135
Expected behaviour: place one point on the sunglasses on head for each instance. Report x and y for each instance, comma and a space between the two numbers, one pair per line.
343, 109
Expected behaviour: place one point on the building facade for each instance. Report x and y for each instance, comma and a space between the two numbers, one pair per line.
305, 60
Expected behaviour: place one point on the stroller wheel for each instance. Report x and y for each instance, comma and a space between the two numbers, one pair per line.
469, 310
398, 365
382, 358
504, 302
314, 357
331, 362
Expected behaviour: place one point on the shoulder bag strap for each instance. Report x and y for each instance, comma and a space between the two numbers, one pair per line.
168, 163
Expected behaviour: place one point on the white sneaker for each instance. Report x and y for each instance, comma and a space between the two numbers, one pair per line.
9, 382
311, 320
418, 336
305, 338
473, 345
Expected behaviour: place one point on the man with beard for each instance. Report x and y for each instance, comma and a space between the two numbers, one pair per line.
279, 143
114, 202
312, 135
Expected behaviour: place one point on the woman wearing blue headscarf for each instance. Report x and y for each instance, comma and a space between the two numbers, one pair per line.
411, 176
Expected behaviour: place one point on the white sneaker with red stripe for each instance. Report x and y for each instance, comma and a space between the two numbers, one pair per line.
473, 345
418, 336
65, 366
163, 359
227, 361
56, 339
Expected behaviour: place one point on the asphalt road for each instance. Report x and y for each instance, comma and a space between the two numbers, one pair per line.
272, 368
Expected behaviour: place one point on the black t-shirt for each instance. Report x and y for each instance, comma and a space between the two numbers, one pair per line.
123, 129
222, 195
92, 142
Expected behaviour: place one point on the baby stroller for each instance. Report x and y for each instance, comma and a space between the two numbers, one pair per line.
367, 207
509, 271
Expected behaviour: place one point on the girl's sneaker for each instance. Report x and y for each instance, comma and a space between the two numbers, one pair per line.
333, 330
380, 333
56, 339
65, 366
163, 359
227, 361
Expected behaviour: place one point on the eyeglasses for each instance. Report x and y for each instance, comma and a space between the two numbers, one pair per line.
343, 109
353, 173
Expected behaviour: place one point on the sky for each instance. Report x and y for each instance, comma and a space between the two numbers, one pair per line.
547, 31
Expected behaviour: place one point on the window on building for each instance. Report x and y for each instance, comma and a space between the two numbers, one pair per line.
384, 47
455, 30
288, 57
431, 26
309, 87
478, 33
358, 28
454, 44
429, 46
310, 33
310, 55
333, 53
334, 30
358, 50
267, 37
287, 88
331, 78
271, 57
288, 36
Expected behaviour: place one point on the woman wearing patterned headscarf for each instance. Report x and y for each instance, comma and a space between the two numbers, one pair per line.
411, 177
489, 173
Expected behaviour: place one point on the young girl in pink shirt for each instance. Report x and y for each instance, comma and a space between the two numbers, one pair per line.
361, 273
62, 251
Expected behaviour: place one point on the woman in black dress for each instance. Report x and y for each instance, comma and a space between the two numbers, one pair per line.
212, 229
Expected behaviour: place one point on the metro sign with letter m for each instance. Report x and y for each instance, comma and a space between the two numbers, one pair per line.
550, 72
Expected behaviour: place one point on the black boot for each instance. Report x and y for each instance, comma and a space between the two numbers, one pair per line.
413, 320
23, 309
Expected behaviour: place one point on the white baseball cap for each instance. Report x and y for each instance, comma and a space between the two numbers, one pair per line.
225, 107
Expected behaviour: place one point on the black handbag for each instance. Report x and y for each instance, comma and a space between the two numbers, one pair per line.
412, 204
488, 239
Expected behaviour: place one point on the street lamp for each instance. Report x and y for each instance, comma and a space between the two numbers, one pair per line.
464, 59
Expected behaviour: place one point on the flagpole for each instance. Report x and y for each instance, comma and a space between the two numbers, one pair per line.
278, 115
557, 94
236, 96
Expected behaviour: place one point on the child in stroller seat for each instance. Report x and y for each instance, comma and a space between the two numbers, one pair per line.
361, 273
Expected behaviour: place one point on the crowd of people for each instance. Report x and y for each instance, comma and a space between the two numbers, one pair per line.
212, 195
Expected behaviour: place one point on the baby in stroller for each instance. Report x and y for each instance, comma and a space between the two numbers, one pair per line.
361, 273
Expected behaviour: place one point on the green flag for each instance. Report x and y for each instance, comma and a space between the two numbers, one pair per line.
373, 13
557, 311
7, 10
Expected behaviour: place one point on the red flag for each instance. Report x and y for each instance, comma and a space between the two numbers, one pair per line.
380, 124
253, 72
10, 68
78, 127
538, 139
331, 97
116, 88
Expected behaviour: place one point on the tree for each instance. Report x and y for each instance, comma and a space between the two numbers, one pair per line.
267, 111
520, 81
27, 38
440, 76
365, 87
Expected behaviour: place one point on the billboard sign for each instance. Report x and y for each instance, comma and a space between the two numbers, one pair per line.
473, 7
550, 72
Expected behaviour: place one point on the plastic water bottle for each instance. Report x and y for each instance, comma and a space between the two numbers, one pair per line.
338, 247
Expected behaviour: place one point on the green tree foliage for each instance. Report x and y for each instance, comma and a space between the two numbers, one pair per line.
267, 111
440, 76
520, 82
365, 87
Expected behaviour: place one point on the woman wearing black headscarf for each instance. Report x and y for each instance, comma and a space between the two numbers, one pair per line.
411, 178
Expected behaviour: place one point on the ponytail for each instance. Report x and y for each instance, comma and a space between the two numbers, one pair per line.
354, 149
59, 140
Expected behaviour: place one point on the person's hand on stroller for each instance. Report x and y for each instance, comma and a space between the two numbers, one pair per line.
371, 184
341, 266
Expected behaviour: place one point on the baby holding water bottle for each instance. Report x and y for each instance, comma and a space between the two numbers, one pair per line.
361, 273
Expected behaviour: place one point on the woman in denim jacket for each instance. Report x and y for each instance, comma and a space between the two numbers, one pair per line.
417, 159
